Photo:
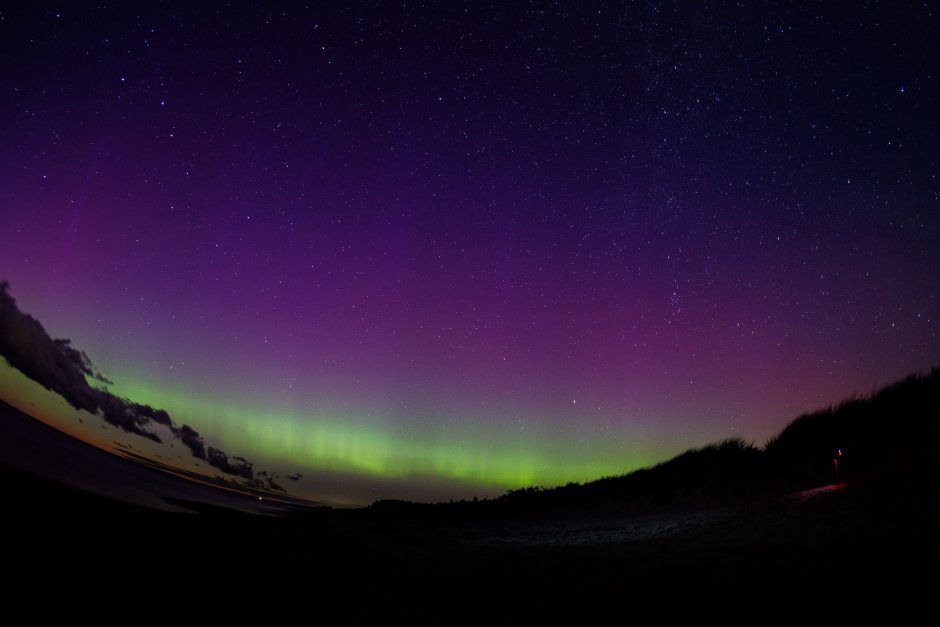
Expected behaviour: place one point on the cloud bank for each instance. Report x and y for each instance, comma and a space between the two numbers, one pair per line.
57, 366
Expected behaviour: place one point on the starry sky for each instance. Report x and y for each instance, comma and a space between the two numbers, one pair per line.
434, 251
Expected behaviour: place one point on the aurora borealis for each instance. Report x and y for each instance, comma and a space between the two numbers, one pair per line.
438, 252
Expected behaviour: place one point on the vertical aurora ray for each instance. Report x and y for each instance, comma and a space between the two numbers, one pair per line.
491, 454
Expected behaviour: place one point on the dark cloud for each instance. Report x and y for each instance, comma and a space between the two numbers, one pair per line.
269, 481
57, 366
192, 440
237, 466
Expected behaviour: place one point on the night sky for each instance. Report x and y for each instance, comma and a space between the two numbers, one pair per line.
444, 251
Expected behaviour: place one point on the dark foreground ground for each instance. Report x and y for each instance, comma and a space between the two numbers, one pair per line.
834, 555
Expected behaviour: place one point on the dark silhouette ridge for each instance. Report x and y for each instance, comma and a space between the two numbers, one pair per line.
890, 432
893, 430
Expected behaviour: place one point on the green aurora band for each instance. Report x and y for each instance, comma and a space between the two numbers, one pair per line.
463, 458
